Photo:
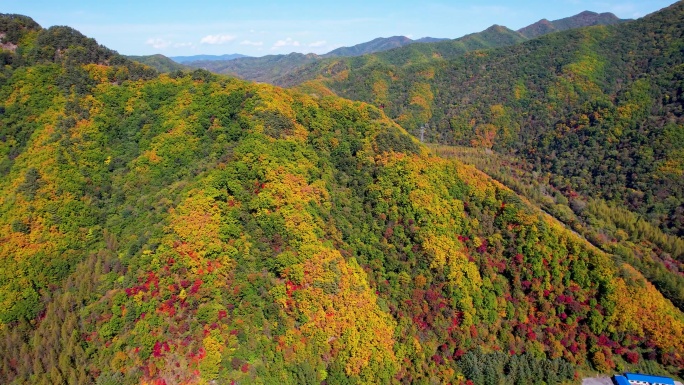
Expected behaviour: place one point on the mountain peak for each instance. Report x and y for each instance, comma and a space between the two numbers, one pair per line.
497, 28
582, 19
375, 45
587, 13
428, 39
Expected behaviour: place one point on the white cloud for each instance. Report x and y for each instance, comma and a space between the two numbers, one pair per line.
319, 43
252, 43
286, 43
158, 43
217, 39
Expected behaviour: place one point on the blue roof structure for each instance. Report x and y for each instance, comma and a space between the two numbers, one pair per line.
649, 378
620, 380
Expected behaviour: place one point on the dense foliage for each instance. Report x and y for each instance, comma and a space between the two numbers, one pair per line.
186, 228
614, 229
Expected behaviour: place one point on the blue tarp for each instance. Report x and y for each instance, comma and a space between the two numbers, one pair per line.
649, 378
620, 380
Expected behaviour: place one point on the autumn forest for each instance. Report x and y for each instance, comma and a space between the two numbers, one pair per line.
185, 227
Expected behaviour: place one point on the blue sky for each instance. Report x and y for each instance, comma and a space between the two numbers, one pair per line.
257, 28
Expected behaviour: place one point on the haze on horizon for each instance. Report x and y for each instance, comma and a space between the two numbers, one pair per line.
260, 28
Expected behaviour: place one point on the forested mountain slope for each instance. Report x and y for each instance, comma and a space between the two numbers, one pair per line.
191, 228
599, 110
610, 227
601, 106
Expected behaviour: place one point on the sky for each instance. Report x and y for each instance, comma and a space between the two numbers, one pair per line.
258, 28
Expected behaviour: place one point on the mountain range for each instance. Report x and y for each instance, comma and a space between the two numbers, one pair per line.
583, 19
272, 68
375, 45
194, 228
269, 68
279, 69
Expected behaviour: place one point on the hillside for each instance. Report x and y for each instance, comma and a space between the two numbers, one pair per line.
583, 19
609, 226
191, 228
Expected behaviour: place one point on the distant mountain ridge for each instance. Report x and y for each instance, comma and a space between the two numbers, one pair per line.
411, 55
159, 62
191, 58
217, 63
582, 19
262, 69
378, 45
429, 39
292, 69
